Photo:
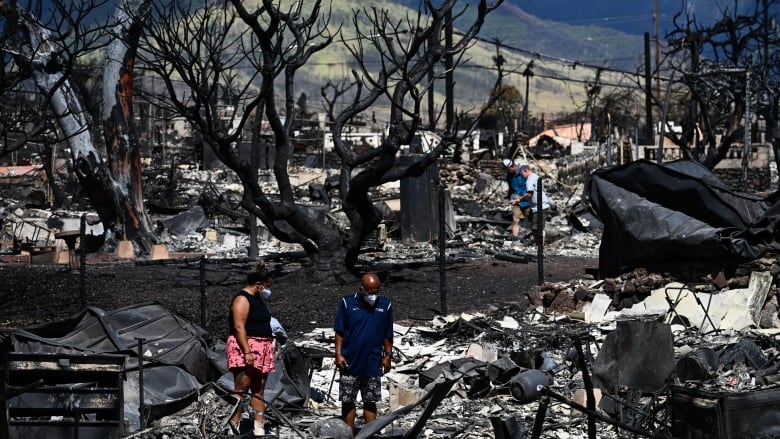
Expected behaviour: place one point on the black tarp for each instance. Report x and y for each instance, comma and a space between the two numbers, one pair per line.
679, 211
178, 362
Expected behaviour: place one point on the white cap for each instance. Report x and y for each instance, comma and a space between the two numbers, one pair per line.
506, 163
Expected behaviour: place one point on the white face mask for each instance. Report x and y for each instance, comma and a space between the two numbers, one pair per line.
370, 298
265, 294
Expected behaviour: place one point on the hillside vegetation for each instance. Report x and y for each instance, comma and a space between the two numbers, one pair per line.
563, 56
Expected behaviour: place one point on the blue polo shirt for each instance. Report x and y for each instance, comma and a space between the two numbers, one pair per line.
517, 185
364, 329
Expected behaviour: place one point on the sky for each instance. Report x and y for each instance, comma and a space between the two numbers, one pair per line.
630, 16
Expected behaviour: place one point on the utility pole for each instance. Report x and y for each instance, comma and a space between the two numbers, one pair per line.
449, 82
648, 91
657, 51
746, 145
527, 73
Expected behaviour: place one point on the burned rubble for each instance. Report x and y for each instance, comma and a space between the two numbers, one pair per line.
683, 353
514, 370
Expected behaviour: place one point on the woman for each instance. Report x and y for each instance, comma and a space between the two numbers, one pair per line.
250, 345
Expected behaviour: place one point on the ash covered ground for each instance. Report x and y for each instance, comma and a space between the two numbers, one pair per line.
38, 294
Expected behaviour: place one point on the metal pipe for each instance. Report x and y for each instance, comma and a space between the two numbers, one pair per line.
202, 271
442, 245
539, 231
141, 405
83, 261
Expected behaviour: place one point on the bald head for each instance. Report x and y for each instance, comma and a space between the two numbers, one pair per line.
370, 283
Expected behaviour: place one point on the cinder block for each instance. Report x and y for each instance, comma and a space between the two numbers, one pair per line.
159, 251
125, 250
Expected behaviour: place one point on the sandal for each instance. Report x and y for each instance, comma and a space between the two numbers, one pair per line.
231, 428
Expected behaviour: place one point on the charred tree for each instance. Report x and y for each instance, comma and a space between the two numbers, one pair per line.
121, 135
49, 57
21, 120
202, 48
714, 63
407, 53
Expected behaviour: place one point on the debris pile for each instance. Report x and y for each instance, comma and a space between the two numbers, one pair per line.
646, 367
201, 214
643, 353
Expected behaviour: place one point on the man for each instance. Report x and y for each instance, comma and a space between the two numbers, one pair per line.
517, 188
364, 345
531, 183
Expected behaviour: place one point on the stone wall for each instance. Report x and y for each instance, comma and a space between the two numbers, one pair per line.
574, 170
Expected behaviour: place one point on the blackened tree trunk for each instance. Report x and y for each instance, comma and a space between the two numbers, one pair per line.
114, 187
121, 134
278, 39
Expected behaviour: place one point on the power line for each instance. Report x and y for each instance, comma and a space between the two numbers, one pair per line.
570, 63
611, 20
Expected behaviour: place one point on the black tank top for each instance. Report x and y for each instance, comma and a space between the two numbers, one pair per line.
258, 322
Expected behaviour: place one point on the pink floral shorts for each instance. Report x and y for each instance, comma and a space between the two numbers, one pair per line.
262, 348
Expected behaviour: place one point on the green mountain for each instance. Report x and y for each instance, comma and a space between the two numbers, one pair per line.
565, 57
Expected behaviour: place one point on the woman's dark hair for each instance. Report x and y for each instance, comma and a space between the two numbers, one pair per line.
259, 274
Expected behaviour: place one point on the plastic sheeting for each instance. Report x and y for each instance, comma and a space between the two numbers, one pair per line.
178, 363
680, 211
167, 338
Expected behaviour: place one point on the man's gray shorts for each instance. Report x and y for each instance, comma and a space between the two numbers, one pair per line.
370, 388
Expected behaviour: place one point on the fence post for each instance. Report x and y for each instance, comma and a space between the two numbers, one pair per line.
141, 405
540, 231
202, 270
442, 245
83, 261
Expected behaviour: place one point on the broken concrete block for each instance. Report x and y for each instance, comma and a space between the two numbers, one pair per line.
596, 309
480, 352
743, 306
